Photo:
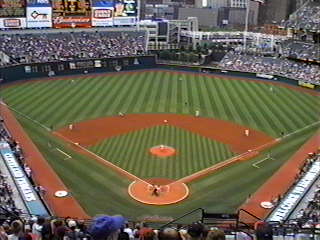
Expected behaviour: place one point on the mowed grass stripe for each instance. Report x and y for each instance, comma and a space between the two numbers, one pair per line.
291, 111
105, 98
134, 94
100, 97
252, 107
209, 85
162, 97
140, 103
169, 102
152, 100
221, 105
195, 95
207, 108
244, 103
300, 104
262, 112
174, 94
149, 98
122, 99
65, 103
134, 146
306, 102
119, 90
179, 94
60, 103
231, 96
277, 112
26, 94
80, 108
48, 101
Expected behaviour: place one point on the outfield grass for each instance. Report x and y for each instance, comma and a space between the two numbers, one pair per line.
194, 152
58, 103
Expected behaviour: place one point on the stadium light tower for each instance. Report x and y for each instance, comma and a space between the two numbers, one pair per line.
245, 33
246, 26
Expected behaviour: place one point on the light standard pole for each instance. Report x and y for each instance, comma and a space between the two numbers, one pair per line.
246, 26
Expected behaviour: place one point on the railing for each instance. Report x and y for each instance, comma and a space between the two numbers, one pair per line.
183, 216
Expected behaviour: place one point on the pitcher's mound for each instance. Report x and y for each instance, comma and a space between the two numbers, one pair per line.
158, 191
162, 151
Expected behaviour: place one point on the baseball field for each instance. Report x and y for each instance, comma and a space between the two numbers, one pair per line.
118, 118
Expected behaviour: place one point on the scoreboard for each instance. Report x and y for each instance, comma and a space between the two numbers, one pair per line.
67, 13
12, 8
72, 7
71, 13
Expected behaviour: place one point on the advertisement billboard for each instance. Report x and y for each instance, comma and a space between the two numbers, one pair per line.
125, 12
102, 13
71, 13
12, 13
39, 14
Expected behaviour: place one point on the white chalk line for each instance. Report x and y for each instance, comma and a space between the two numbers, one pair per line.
97, 156
261, 161
27, 117
301, 129
64, 153
231, 159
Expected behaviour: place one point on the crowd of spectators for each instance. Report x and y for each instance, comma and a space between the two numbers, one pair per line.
307, 17
301, 50
111, 228
309, 216
7, 203
237, 61
51, 47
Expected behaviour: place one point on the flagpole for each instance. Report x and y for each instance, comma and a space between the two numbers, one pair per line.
246, 26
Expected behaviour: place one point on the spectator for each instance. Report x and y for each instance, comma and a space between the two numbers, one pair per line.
106, 227
37, 227
196, 231
216, 235
128, 230
3, 234
169, 234
52, 47
17, 231
263, 231
146, 233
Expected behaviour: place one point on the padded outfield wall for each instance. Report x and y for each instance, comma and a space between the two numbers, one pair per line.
86, 66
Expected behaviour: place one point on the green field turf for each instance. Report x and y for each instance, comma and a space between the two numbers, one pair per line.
194, 152
100, 190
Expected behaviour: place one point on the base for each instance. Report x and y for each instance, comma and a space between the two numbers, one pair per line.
168, 191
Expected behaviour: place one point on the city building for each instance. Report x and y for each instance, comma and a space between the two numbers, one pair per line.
166, 34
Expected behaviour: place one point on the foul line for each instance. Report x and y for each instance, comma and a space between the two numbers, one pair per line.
212, 168
26, 116
236, 158
301, 129
124, 172
62, 152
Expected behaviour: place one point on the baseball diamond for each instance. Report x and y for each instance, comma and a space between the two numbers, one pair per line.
108, 152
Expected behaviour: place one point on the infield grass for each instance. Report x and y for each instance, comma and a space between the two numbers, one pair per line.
193, 152
100, 190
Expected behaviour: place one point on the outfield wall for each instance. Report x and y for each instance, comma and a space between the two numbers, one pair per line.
63, 68
41, 70
218, 71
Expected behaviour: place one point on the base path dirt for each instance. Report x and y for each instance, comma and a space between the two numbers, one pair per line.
280, 182
91, 132
43, 174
